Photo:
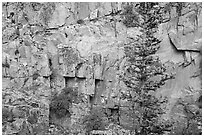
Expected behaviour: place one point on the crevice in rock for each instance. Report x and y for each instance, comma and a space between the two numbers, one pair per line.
74, 82
98, 90
78, 66
91, 100
174, 46
69, 81
95, 98
115, 114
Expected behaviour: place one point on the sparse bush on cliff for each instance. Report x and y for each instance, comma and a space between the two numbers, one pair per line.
60, 104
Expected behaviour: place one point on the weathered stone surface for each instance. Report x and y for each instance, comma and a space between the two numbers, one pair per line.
6, 83
13, 69
179, 49
52, 47
50, 51
59, 16
191, 45
42, 64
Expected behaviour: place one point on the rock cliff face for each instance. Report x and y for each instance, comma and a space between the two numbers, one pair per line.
49, 46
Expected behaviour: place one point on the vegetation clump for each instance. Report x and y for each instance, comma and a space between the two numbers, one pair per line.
60, 104
144, 72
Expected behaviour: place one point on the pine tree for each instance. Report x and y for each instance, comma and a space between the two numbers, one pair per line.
144, 72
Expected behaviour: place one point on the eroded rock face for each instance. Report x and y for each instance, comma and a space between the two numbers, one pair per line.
46, 49
181, 52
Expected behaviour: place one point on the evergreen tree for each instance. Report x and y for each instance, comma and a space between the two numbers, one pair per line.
144, 72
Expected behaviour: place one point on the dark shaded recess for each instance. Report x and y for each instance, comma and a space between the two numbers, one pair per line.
17, 32
97, 82
66, 35
53, 74
77, 68
80, 78
25, 16
60, 104
92, 99
13, 21
73, 81
11, 15
69, 81
24, 82
77, 84
95, 99
94, 120
35, 75
16, 52
59, 107
6, 65
99, 86
200, 99
199, 102
114, 110
58, 113
20, 40
50, 62
35, 105
80, 21
114, 114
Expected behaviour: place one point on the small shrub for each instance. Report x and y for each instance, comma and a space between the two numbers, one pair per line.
61, 103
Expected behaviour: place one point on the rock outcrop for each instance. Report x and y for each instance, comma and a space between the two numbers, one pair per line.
49, 46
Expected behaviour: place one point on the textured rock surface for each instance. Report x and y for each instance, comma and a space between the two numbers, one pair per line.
46, 48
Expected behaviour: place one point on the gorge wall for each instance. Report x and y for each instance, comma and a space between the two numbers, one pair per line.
49, 46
